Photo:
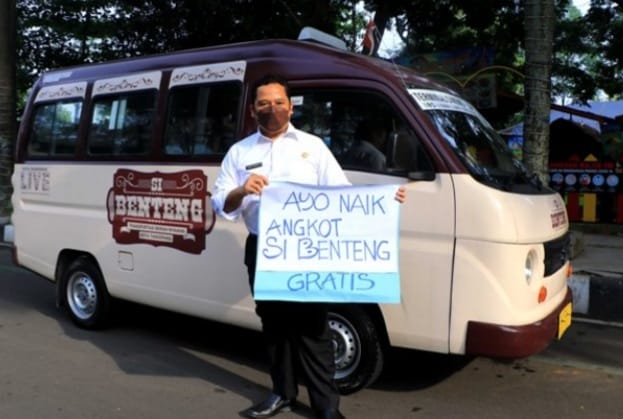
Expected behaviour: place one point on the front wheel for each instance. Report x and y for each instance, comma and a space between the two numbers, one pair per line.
359, 354
85, 295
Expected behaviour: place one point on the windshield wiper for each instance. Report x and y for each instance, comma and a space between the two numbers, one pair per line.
536, 181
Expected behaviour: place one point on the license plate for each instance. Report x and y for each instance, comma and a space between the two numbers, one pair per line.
564, 319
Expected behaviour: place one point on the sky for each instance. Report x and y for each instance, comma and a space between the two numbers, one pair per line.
583, 5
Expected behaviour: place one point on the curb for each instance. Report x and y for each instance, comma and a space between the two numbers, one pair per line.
597, 297
576, 243
6, 234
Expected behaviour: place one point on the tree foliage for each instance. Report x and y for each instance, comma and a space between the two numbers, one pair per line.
604, 22
587, 58
586, 49
59, 33
575, 59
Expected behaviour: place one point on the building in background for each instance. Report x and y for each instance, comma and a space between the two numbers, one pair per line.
586, 159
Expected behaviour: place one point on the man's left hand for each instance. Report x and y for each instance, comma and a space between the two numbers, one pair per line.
401, 194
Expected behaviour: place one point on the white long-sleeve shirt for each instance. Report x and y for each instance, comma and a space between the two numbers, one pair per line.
295, 156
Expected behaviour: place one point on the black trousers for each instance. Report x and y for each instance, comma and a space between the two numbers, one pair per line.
299, 343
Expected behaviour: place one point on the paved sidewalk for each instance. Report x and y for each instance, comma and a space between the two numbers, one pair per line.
597, 280
602, 254
6, 235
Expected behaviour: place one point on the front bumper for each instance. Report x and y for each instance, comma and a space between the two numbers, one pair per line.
500, 341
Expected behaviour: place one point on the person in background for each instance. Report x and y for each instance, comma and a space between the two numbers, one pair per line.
367, 150
174, 147
296, 333
203, 136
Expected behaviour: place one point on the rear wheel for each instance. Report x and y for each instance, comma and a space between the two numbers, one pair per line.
85, 295
358, 348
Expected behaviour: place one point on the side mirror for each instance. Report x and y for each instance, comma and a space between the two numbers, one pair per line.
426, 176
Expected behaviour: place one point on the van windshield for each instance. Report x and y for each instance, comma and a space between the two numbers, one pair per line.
481, 149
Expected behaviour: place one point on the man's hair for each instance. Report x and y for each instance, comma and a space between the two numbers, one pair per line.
269, 79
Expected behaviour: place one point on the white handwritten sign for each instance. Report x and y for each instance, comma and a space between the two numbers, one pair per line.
337, 244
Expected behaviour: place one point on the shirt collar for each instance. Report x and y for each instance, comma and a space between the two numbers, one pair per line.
291, 132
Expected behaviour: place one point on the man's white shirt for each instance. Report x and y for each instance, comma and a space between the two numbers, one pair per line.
295, 156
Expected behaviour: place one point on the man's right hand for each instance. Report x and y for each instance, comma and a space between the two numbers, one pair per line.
255, 184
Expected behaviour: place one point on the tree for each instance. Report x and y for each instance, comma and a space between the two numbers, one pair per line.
575, 59
587, 57
604, 21
7, 103
451, 25
58, 33
539, 20
444, 25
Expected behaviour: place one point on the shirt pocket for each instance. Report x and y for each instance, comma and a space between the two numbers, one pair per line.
303, 170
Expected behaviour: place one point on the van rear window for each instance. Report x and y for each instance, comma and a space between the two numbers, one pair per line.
54, 131
122, 125
202, 119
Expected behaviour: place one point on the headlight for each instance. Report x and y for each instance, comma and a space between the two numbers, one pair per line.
529, 266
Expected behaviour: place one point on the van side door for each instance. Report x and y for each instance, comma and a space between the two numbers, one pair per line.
376, 138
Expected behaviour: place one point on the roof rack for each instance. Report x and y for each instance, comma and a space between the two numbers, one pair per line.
312, 34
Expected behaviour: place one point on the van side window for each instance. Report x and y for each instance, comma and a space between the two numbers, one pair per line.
202, 119
122, 125
362, 129
54, 129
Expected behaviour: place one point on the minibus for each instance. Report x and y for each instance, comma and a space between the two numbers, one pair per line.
115, 163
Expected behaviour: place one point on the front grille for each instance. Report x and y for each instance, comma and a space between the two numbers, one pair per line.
556, 253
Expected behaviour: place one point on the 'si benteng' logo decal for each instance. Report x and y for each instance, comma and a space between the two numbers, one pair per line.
161, 209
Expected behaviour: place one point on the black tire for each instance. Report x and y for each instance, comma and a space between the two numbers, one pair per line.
359, 350
84, 294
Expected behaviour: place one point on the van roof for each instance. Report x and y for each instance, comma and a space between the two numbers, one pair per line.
295, 60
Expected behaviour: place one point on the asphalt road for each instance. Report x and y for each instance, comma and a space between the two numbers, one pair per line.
154, 364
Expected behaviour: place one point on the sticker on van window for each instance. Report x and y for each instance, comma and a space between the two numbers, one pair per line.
62, 91
128, 83
558, 214
161, 209
436, 100
208, 73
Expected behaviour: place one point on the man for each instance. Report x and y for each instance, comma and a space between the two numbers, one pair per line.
296, 333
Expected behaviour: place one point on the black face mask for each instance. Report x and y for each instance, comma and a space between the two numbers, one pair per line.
273, 119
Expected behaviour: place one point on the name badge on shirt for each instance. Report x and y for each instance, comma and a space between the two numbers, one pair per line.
253, 166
